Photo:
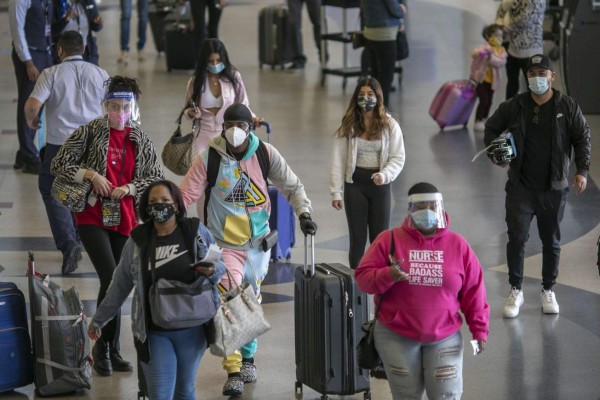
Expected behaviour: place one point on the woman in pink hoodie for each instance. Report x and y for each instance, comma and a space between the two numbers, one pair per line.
422, 274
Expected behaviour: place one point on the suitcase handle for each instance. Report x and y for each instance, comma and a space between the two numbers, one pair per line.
268, 126
312, 255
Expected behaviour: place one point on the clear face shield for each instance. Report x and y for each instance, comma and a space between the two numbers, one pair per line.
121, 108
426, 211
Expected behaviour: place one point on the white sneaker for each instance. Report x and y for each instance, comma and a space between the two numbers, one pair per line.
479, 126
513, 303
549, 304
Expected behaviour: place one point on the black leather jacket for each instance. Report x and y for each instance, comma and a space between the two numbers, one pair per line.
570, 135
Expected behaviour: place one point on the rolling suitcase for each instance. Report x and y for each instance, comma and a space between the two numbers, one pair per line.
180, 40
273, 36
61, 346
453, 103
16, 364
283, 219
329, 311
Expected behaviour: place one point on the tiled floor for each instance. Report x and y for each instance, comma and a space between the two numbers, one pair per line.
531, 357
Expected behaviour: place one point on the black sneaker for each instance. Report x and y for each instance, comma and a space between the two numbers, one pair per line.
101, 356
33, 169
296, 66
378, 372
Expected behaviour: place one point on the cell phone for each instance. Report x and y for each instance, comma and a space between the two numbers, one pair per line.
204, 264
193, 104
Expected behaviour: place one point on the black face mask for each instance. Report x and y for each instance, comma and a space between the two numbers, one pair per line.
366, 103
160, 212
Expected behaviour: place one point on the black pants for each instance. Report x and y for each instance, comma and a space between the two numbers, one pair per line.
548, 207
513, 66
28, 152
104, 248
202, 30
485, 93
382, 57
367, 211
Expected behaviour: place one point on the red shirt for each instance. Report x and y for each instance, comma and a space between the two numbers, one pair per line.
117, 159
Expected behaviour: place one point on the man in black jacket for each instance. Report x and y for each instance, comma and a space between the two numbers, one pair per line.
548, 127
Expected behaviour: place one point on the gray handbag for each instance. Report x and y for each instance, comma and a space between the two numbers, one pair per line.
177, 305
239, 319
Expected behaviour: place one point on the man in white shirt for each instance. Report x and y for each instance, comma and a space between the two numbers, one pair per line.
72, 94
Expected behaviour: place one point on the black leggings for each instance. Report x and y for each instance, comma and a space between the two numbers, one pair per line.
367, 207
104, 248
202, 30
382, 60
513, 66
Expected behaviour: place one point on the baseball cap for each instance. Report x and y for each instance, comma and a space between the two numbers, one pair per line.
538, 60
238, 112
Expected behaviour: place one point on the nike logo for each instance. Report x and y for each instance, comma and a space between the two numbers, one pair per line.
559, 115
168, 259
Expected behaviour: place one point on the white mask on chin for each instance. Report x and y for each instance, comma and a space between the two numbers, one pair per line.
235, 136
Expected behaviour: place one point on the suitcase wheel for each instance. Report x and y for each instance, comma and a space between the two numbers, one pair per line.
298, 387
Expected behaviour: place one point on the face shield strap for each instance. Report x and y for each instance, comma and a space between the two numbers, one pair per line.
119, 95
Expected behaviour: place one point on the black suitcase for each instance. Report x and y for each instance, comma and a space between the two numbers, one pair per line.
180, 40
329, 311
273, 36
157, 13
16, 361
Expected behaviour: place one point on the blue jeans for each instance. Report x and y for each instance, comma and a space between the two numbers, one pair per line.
413, 368
61, 219
142, 10
174, 359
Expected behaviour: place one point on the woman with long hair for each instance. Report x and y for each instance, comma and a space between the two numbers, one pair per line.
120, 161
368, 154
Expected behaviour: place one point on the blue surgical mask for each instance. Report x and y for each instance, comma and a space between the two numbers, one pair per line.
216, 68
424, 219
538, 84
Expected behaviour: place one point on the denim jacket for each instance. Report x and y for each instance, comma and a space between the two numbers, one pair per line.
381, 13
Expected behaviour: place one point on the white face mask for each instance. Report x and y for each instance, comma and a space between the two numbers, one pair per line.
235, 136
538, 84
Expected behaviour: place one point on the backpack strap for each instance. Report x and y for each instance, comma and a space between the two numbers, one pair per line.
214, 162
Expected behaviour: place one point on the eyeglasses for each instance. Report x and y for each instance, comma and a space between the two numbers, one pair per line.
240, 124
536, 112
118, 107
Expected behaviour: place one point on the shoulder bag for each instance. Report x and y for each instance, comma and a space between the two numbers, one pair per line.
177, 305
366, 353
179, 151
239, 319
73, 195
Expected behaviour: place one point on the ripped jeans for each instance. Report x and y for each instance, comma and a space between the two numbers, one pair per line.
414, 368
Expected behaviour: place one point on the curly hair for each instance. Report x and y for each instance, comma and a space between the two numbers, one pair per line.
353, 124
120, 83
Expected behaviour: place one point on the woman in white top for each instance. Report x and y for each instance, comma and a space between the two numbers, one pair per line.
215, 85
368, 154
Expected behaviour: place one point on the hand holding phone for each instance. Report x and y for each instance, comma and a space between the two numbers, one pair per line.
203, 267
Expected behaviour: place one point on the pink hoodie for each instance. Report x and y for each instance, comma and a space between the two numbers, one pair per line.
445, 276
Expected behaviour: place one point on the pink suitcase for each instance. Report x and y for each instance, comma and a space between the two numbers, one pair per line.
453, 103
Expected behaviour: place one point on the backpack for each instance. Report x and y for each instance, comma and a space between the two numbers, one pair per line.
214, 162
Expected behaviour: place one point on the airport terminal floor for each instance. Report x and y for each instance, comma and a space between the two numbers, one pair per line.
533, 356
